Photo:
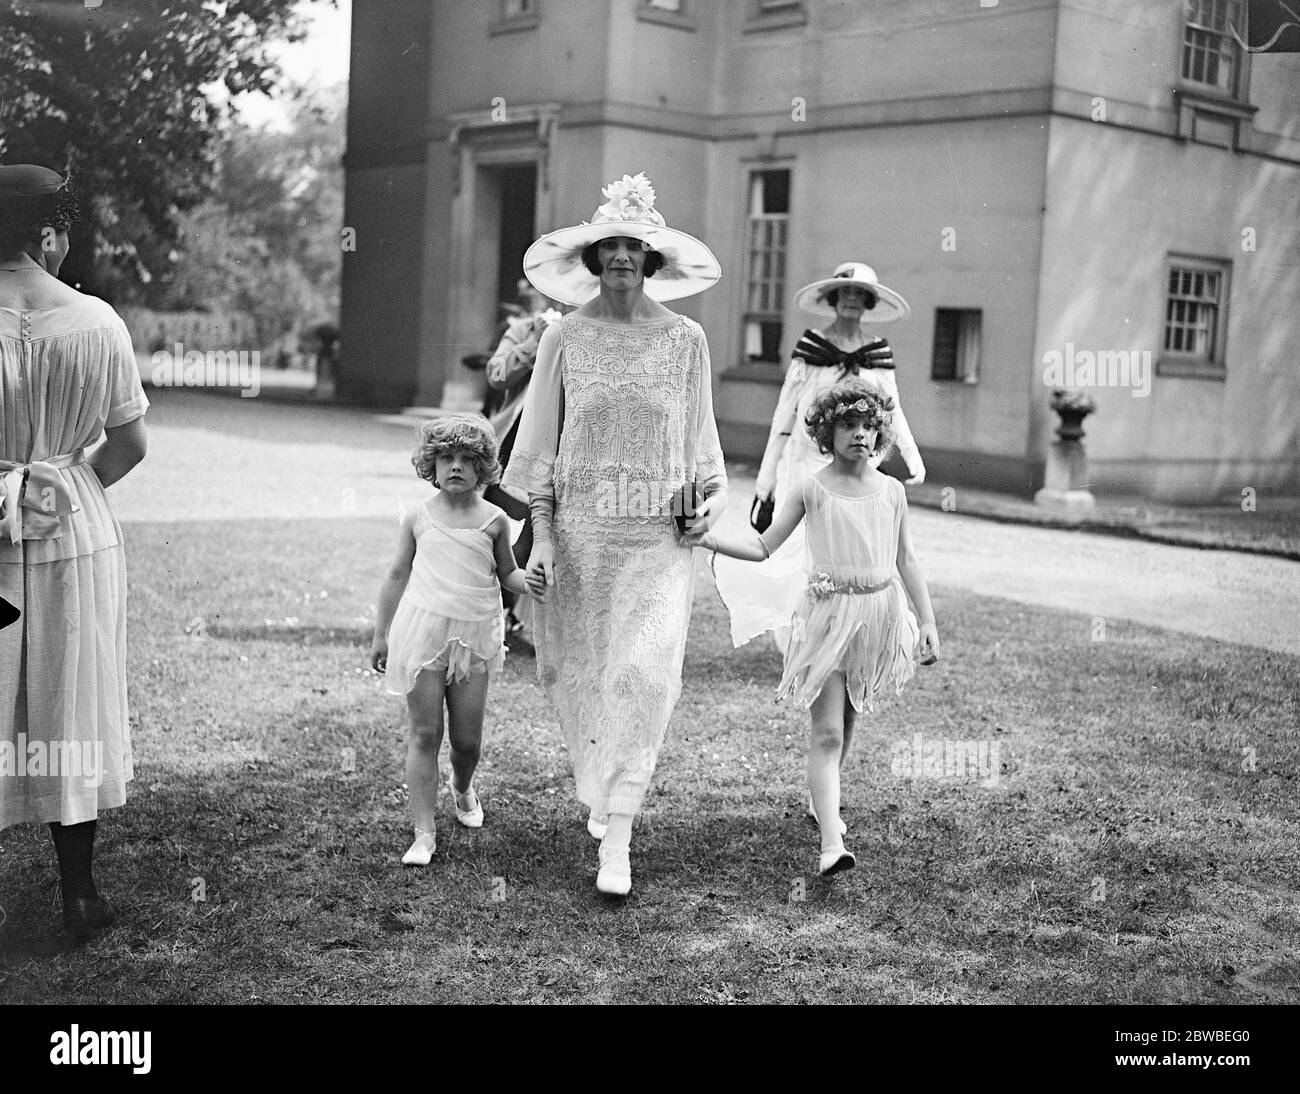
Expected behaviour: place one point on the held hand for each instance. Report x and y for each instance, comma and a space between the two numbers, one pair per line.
929, 644
916, 479
379, 656
540, 573
707, 512
702, 540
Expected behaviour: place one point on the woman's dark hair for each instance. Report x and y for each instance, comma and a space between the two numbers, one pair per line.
654, 261
833, 298
24, 219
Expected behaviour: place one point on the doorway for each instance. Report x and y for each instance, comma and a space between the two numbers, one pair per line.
518, 219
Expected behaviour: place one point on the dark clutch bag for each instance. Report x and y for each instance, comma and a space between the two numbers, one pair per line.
8, 613
684, 503
760, 514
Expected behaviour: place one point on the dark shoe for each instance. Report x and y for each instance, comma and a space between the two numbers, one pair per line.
86, 915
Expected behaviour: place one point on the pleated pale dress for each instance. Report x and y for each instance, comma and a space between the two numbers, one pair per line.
449, 618
637, 412
869, 633
763, 602
66, 373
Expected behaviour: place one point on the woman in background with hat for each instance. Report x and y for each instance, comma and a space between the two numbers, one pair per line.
618, 421
68, 377
852, 297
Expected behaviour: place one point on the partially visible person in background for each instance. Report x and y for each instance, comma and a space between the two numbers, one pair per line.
508, 371
68, 376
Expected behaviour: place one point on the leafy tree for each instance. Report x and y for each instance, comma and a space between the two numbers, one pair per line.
267, 241
125, 94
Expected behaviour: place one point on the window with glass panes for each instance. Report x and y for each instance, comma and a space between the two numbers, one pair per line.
956, 351
1192, 312
1210, 54
767, 240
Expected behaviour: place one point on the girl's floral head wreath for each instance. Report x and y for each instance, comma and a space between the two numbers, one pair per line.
877, 410
554, 263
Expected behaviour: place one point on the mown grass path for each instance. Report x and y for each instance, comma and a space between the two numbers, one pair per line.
1138, 843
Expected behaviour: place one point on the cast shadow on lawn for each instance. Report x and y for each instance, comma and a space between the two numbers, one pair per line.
281, 882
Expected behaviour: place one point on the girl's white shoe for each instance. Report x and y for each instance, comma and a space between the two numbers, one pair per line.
615, 877
812, 812
421, 851
471, 817
597, 827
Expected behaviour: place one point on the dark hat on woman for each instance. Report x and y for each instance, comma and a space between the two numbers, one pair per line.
32, 197
28, 180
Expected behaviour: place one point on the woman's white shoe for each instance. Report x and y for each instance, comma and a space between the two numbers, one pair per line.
421, 851
615, 877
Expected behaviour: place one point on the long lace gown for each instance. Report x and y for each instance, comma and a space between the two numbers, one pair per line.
636, 409
65, 374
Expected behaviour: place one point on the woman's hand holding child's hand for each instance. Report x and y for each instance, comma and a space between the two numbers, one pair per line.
929, 644
707, 511
540, 574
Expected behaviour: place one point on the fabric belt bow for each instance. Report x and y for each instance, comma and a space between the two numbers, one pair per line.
33, 496
819, 352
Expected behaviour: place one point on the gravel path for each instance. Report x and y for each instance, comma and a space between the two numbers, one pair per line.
219, 458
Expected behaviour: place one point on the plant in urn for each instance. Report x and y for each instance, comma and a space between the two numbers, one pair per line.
1065, 481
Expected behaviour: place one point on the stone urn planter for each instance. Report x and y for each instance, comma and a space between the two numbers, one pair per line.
1065, 484
1072, 407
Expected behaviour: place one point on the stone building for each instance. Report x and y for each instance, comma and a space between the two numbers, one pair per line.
1084, 193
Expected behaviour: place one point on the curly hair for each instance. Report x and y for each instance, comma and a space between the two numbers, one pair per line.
22, 220
472, 432
850, 397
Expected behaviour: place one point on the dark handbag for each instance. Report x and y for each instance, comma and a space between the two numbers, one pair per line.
685, 499
8, 613
760, 514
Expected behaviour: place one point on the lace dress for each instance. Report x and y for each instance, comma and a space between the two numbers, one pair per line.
636, 409
65, 374
853, 616
449, 617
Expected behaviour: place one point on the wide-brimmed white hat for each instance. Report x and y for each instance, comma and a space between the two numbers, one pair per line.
554, 263
889, 304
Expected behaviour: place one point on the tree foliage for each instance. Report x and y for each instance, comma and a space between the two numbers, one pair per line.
266, 242
132, 96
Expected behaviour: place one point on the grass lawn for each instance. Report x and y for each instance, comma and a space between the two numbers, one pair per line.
1127, 854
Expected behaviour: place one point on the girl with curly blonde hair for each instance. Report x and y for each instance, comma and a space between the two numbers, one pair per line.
439, 633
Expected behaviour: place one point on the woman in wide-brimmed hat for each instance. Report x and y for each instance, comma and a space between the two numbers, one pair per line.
67, 368
618, 421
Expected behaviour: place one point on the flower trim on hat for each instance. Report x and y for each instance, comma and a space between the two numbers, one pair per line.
629, 198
